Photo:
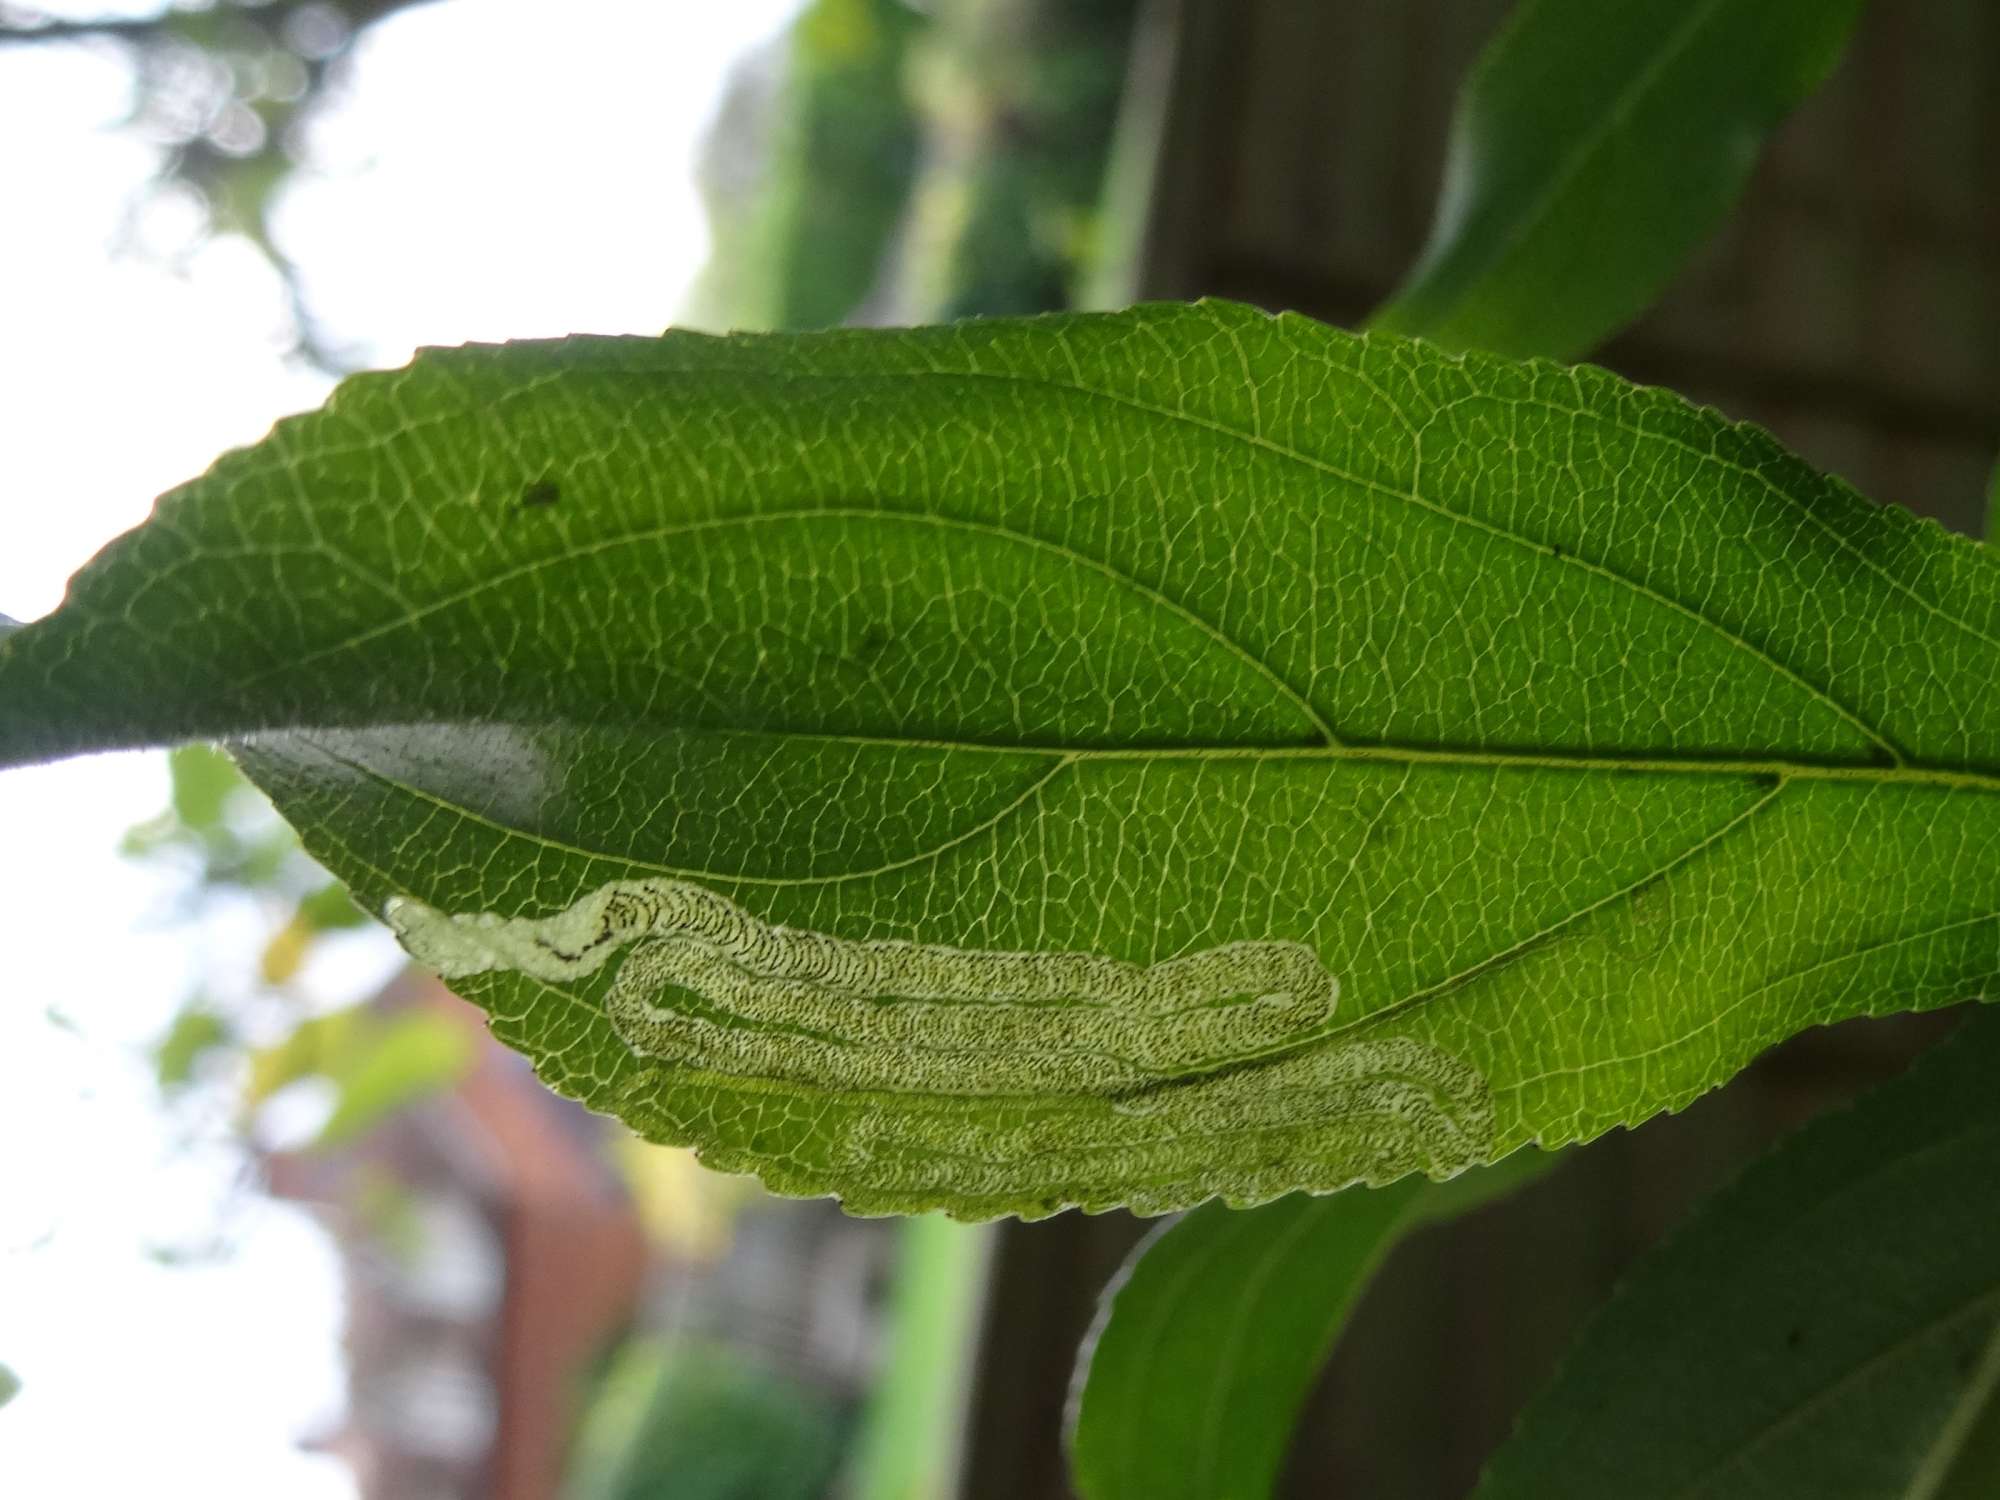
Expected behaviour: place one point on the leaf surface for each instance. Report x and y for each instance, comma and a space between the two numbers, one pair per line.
1088, 760
1594, 147
1210, 1338
1829, 1325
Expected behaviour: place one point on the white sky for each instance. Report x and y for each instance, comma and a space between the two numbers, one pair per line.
495, 173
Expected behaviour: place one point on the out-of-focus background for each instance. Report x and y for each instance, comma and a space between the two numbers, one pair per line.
278, 1217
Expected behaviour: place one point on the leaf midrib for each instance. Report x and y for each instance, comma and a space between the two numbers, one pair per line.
1909, 775
1780, 776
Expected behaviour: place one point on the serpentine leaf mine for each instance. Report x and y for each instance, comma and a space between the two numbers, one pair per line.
1134, 1058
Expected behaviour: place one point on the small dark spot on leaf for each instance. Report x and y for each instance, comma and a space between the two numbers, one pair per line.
542, 492
1795, 1337
874, 640
1554, 550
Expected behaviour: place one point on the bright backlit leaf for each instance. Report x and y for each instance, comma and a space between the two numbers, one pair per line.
1086, 760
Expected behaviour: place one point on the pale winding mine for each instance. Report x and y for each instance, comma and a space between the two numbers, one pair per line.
1157, 1057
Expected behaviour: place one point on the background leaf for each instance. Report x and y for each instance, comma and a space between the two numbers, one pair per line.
1589, 743
1814, 1329
1594, 146
1209, 1340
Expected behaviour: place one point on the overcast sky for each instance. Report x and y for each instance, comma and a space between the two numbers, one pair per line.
488, 177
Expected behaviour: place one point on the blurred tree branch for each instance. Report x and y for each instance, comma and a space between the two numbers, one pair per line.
226, 93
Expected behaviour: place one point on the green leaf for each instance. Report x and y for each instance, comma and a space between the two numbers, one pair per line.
10, 1385
1250, 756
1825, 1326
1208, 1341
1596, 145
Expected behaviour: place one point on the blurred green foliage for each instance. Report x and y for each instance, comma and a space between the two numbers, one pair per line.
889, 166
699, 1421
1020, 100
212, 823
376, 1063
198, 1031
223, 834
807, 169
883, 162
